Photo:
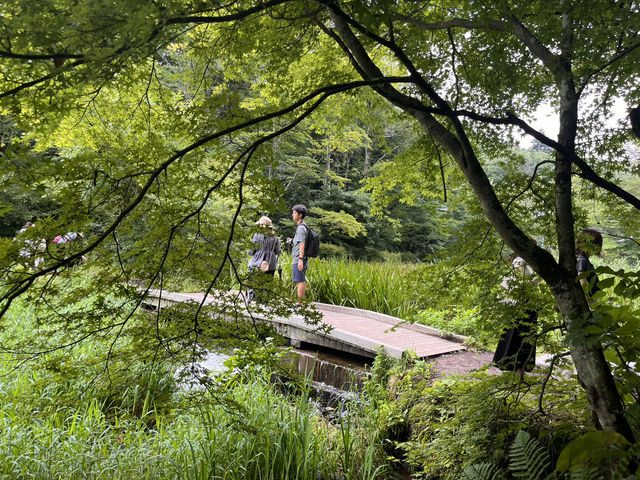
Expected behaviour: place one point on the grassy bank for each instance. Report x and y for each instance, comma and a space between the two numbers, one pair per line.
64, 416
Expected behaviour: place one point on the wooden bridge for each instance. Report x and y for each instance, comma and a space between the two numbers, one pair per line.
355, 331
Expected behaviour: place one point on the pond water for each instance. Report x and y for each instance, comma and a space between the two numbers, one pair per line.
214, 362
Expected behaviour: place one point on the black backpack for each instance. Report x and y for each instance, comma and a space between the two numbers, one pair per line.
312, 243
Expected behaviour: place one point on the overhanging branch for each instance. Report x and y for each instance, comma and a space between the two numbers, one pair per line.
620, 55
586, 172
225, 18
20, 286
453, 23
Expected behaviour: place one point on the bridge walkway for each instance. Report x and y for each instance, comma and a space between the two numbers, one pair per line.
355, 331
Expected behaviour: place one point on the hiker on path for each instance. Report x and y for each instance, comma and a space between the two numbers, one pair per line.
264, 256
516, 350
299, 261
67, 238
70, 237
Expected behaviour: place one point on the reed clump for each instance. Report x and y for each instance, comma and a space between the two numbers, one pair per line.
383, 287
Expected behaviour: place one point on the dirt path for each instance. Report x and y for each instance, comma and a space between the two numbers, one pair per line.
466, 361
462, 362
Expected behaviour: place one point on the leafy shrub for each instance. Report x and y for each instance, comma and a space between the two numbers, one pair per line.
595, 455
329, 250
441, 426
455, 320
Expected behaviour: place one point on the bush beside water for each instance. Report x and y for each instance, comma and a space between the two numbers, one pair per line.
439, 427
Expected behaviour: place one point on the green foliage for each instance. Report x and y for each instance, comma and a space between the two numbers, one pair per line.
445, 427
23, 195
527, 457
591, 456
329, 250
119, 381
178, 122
594, 449
339, 223
482, 471
617, 314
399, 180
54, 422
456, 320
272, 440
616, 220
383, 287
282, 441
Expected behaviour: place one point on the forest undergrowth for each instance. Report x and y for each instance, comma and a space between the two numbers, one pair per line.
63, 414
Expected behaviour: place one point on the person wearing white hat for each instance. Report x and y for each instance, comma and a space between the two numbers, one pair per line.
267, 249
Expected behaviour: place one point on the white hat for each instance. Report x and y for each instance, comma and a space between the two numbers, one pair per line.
264, 221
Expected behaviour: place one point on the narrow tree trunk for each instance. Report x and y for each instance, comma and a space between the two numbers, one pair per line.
348, 159
588, 357
327, 166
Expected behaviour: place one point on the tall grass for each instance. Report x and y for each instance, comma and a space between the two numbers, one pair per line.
282, 441
383, 287
396, 288
53, 427
266, 438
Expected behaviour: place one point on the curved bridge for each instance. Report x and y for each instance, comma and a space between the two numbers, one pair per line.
355, 331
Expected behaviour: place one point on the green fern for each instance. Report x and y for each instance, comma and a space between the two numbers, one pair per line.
586, 473
482, 471
527, 457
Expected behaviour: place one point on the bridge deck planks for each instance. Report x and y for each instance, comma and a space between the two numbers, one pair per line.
370, 327
423, 344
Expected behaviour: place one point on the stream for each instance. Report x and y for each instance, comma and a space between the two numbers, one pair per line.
335, 378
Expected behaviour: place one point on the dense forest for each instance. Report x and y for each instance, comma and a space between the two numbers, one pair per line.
161, 131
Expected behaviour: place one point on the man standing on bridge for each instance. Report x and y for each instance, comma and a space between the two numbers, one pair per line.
300, 261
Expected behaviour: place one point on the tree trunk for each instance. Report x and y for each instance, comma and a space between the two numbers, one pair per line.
592, 368
593, 371
348, 160
327, 166
367, 159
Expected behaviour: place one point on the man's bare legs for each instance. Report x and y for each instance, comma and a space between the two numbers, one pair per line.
302, 289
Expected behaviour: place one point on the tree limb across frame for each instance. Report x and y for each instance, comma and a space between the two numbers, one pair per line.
21, 286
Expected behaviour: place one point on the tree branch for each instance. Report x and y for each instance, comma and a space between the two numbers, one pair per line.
21, 286
607, 64
225, 18
38, 81
535, 46
454, 23
40, 56
457, 146
586, 172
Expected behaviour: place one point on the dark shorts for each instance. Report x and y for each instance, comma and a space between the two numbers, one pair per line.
299, 276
